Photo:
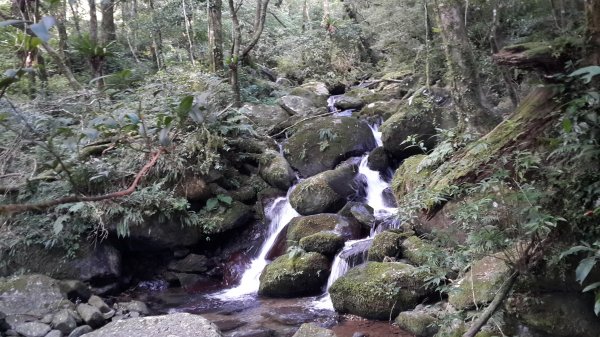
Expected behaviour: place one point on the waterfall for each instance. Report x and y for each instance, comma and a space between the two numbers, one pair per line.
355, 252
280, 213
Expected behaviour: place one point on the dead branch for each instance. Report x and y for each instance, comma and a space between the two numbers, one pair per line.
20, 208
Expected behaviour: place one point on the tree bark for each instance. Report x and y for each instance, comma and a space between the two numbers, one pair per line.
156, 39
109, 31
592, 34
262, 17
215, 34
188, 33
464, 77
305, 17
235, 56
93, 22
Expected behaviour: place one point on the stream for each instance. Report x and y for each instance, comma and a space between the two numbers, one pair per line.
240, 312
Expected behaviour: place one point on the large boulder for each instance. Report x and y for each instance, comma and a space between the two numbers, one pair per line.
303, 226
264, 117
193, 263
276, 170
322, 143
298, 105
345, 102
479, 285
556, 314
381, 109
180, 324
418, 119
34, 295
325, 243
32, 329
385, 244
325, 192
158, 235
90, 315
408, 178
233, 216
417, 251
294, 276
378, 290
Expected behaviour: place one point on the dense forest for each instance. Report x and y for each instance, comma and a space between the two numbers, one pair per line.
300, 168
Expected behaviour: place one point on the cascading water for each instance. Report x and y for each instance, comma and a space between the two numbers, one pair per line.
354, 252
280, 213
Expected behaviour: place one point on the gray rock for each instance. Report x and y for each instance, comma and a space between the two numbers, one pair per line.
33, 329
192, 263
35, 295
10, 333
296, 105
47, 319
294, 276
378, 160
254, 333
90, 315
275, 170
180, 324
264, 117
99, 303
80, 331
311, 330
137, 306
64, 321
364, 214
54, 333
345, 102
3, 325
75, 290
102, 262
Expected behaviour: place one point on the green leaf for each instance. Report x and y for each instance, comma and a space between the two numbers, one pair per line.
225, 199
185, 106
586, 73
59, 224
575, 250
567, 125
597, 305
42, 28
591, 287
211, 204
584, 268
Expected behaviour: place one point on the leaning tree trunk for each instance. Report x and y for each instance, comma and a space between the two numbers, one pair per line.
235, 56
109, 31
464, 77
215, 34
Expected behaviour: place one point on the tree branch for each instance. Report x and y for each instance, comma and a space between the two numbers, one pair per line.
20, 208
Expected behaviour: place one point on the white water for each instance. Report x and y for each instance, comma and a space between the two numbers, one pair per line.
375, 187
280, 213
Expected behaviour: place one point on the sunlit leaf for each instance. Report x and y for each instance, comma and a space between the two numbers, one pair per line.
584, 268
586, 73
591, 287
225, 199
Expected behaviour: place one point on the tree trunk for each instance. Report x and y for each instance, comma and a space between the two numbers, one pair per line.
305, 17
592, 34
262, 17
109, 31
75, 18
464, 77
156, 39
61, 15
257, 15
188, 33
215, 34
235, 56
93, 22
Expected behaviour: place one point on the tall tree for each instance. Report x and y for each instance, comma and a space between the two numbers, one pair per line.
592, 36
215, 34
109, 31
93, 22
156, 39
463, 75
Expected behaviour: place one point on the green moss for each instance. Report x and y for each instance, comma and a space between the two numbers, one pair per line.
378, 290
417, 250
385, 244
418, 323
294, 276
326, 243
304, 226
407, 179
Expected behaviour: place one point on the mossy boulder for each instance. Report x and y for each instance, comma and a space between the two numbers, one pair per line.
385, 244
354, 210
556, 314
304, 226
233, 216
294, 276
263, 116
275, 170
325, 192
379, 160
419, 118
479, 285
35, 295
381, 109
326, 243
320, 144
345, 102
417, 250
407, 179
419, 323
378, 290
298, 105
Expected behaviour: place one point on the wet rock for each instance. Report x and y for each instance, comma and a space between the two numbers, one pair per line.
326, 191
99, 303
345, 102
32, 329
379, 160
347, 212
422, 322
294, 276
314, 88
137, 306
264, 332
64, 321
229, 324
364, 214
292, 315
191, 281
90, 315
479, 285
297, 105
75, 290
154, 235
102, 263
407, 178
180, 324
54, 333
385, 244
82, 330
378, 290
326, 243
35, 295
312, 330
303, 226
556, 314
3, 325
320, 144
417, 250
264, 117
276, 171
236, 215
381, 109
47, 319
193, 263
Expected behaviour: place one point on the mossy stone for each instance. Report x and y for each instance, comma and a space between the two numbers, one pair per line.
378, 290
235, 215
385, 244
294, 276
419, 323
275, 170
417, 250
406, 178
326, 243
304, 226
